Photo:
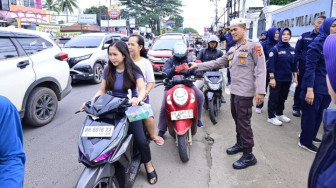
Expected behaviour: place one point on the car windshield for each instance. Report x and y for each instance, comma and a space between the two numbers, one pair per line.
165, 44
84, 42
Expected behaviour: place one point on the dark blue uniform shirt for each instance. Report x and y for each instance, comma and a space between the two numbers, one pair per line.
281, 61
301, 49
229, 41
315, 74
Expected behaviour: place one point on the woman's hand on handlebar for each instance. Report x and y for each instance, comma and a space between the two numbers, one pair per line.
192, 65
135, 101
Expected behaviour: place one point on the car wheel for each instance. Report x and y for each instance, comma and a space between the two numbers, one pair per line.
97, 73
41, 107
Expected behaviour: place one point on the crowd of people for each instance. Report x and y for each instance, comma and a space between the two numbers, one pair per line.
311, 65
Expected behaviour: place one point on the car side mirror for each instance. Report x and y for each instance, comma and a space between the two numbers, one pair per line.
106, 46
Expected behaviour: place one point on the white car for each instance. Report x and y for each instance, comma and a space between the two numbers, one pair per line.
88, 55
33, 74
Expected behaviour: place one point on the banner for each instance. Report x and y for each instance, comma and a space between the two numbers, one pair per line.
114, 11
54, 30
87, 19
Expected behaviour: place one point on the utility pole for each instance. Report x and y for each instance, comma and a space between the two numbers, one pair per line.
99, 17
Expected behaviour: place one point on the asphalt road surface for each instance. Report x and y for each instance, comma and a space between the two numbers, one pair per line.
52, 155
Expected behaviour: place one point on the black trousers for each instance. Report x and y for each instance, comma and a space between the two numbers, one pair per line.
277, 98
136, 128
297, 100
241, 110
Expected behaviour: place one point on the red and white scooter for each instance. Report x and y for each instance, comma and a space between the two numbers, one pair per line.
181, 111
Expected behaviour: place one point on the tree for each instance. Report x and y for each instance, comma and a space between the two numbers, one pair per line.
280, 2
149, 12
52, 5
68, 6
189, 29
95, 10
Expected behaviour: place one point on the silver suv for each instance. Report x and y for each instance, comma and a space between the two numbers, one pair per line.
88, 55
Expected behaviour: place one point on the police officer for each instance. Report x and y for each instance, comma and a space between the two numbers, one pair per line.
210, 53
300, 57
263, 36
314, 94
272, 40
281, 66
248, 68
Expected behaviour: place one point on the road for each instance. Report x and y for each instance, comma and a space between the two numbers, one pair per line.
52, 155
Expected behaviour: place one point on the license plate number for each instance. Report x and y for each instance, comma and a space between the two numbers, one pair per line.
98, 131
183, 114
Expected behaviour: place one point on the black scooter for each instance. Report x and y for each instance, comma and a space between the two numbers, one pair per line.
104, 146
212, 89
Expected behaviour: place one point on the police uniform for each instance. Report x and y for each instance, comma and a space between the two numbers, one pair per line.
281, 63
301, 48
314, 77
246, 61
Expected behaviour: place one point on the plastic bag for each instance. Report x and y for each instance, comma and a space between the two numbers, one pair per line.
139, 112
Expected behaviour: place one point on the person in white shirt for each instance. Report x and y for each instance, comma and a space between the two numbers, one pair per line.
139, 54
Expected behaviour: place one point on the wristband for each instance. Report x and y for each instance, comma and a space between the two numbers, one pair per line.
271, 77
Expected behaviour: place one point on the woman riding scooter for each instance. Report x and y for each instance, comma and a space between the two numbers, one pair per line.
180, 52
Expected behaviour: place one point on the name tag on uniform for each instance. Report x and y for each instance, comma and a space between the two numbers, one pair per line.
243, 50
307, 38
242, 54
292, 53
282, 52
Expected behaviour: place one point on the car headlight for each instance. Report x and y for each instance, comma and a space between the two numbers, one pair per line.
180, 96
151, 58
81, 58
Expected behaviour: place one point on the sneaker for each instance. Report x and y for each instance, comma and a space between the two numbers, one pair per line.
223, 99
311, 148
200, 124
283, 118
296, 113
274, 121
228, 83
258, 110
315, 140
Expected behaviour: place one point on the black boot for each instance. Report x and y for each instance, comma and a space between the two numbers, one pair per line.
236, 148
246, 160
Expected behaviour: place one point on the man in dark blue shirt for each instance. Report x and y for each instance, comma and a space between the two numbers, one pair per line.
12, 157
314, 94
301, 48
229, 43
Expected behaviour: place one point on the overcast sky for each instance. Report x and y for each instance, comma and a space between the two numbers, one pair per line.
197, 13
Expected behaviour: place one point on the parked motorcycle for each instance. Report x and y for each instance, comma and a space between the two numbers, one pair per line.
104, 146
212, 89
181, 111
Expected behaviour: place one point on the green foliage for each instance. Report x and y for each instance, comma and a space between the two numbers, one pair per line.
68, 6
189, 29
95, 10
149, 12
281, 2
52, 5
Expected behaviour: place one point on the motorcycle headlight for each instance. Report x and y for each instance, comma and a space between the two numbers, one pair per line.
81, 58
180, 96
213, 86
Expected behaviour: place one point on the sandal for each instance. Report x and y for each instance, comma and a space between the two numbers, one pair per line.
151, 175
159, 140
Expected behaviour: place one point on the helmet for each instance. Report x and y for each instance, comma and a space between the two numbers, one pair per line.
212, 38
180, 50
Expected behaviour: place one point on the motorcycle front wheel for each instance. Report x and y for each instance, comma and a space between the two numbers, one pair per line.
183, 147
107, 183
213, 111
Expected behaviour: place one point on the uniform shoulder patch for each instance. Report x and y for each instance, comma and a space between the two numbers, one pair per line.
258, 50
271, 54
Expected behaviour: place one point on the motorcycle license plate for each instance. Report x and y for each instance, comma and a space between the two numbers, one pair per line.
183, 114
97, 131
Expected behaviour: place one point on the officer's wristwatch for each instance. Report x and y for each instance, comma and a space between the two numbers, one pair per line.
271, 77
